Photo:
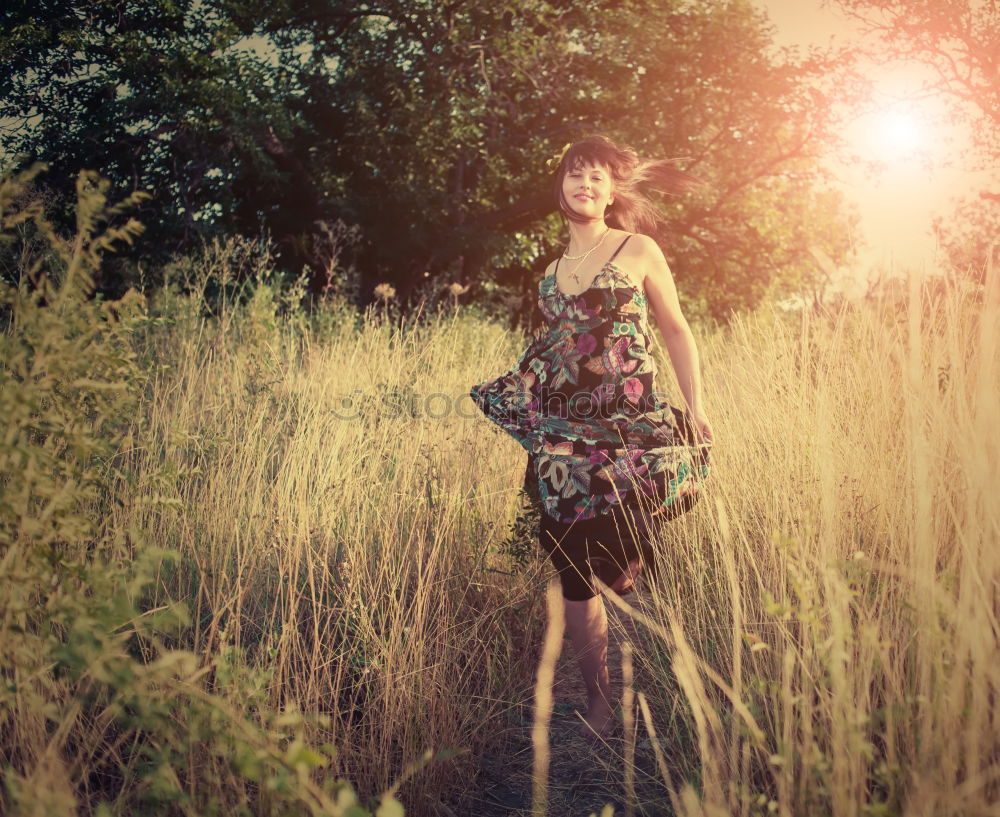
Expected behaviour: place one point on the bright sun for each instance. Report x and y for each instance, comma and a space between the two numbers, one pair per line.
899, 131
892, 135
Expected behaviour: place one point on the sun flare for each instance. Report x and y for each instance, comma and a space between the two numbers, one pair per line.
900, 132
893, 135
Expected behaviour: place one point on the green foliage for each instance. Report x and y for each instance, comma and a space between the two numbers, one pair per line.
828, 607
90, 687
68, 375
167, 100
426, 128
521, 542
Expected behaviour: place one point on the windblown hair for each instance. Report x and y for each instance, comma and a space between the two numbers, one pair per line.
632, 209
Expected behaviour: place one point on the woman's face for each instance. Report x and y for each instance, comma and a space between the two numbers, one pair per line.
588, 189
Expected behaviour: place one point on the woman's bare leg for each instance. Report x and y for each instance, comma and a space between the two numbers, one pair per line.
587, 625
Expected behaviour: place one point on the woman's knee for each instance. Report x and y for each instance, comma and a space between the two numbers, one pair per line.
617, 574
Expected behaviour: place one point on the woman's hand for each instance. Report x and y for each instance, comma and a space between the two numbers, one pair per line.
702, 428
703, 433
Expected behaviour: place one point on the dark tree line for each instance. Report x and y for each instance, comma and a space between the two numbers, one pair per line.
427, 125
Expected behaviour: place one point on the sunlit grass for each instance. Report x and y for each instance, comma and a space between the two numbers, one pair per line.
344, 539
841, 577
826, 626
838, 579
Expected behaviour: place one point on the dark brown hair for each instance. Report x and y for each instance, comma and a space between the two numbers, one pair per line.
632, 209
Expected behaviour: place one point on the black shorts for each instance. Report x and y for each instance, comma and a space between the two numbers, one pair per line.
601, 546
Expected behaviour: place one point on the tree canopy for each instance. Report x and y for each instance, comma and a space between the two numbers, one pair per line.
428, 126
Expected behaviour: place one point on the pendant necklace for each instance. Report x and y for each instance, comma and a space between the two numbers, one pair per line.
581, 258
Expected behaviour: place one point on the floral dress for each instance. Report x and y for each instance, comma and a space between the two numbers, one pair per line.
582, 401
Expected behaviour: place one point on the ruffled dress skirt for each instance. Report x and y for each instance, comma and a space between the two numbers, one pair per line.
605, 450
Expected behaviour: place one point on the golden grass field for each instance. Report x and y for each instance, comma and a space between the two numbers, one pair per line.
825, 639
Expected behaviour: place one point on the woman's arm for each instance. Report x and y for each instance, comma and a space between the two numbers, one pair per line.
661, 295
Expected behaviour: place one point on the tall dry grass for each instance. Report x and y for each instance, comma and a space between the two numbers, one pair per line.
333, 533
830, 616
103, 708
827, 623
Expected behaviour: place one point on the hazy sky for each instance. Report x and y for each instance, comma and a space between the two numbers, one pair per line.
897, 204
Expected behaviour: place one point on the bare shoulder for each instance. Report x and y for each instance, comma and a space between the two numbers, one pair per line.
647, 250
643, 256
659, 286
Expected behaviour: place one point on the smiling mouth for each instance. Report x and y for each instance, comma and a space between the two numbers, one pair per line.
582, 196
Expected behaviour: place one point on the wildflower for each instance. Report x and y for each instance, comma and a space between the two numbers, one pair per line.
385, 292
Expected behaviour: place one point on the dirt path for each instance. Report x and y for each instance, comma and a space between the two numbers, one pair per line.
583, 777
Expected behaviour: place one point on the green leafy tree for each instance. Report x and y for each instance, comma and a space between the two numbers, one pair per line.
161, 96
428, 125
468, 105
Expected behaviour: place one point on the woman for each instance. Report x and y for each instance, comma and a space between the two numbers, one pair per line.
606, 452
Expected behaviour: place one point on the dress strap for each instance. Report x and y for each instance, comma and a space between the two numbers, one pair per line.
612, 258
